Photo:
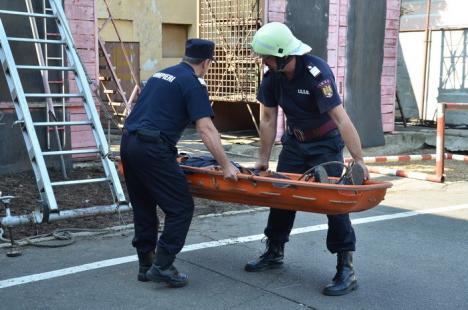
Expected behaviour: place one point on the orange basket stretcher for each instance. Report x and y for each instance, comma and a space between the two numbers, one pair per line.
285, 193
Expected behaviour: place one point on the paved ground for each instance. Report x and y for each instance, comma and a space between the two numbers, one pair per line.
411, 254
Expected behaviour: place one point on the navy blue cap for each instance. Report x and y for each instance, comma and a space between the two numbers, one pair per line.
199, 48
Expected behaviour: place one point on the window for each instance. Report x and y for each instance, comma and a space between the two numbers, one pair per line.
174, 37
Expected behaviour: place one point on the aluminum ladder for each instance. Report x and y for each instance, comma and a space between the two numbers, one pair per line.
20, 101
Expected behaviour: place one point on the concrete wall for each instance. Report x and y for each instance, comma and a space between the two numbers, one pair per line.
32, 81
310, 25
364, 68
155, 24
13, 155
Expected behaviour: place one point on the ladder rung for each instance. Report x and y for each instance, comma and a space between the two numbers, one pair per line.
53, 95
53, 34
76, 182
75, 123
109, 91
56, 82
29, 40
116, 104
27, 14
54, 58
70, 152
27, 67
58, 128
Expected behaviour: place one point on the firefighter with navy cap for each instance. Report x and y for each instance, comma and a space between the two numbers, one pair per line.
171, 99
318, 127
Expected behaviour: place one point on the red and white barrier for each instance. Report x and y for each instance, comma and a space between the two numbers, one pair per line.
439, 157
407, 174
396, 158
456, 157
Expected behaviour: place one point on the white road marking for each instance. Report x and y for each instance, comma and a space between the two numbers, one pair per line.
212, 244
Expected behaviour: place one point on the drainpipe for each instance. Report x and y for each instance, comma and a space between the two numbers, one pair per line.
426, 56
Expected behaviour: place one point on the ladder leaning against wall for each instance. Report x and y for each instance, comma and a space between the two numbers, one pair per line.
49, 209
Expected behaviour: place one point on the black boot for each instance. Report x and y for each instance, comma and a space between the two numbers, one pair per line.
145, 261
163, 270
272, 258
345, 280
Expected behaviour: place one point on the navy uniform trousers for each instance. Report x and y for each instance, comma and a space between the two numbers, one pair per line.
154, 178
296, 157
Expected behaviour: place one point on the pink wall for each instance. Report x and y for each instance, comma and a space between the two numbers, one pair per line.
336, 45
337, 27
388, 79
82, 19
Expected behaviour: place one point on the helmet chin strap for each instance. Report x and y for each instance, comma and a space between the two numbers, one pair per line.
281, 62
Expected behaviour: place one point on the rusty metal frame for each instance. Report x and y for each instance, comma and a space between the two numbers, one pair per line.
119, 111
235, 77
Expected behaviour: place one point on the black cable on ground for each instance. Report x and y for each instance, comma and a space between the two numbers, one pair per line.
62, 237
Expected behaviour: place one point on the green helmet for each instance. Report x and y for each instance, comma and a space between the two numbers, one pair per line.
275, 39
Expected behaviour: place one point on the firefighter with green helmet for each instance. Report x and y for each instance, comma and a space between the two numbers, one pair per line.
318, 128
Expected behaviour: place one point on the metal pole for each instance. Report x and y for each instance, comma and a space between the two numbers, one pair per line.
440, 140
426, 54
9, 220
406, 174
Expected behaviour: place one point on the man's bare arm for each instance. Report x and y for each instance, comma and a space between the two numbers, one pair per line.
268, 120
210, 137
349, 134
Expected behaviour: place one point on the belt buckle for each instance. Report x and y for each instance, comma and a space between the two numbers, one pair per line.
299, 134
315, 133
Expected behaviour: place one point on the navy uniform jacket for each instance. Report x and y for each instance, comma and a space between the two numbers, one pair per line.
171, 99
306, 98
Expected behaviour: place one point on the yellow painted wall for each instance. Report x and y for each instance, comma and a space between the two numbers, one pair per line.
141, 21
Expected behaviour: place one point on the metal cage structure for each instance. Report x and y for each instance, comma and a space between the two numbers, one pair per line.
231, 24
454, 62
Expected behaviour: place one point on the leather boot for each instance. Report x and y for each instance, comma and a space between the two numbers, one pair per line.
272, 258
345, 280
163, 270
144, 261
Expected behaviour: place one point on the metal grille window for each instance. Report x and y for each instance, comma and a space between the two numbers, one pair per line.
231, 24
454, 61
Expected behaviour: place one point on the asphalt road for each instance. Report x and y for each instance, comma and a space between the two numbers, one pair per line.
411, 254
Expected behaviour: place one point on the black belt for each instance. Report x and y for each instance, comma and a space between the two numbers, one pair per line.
146, 135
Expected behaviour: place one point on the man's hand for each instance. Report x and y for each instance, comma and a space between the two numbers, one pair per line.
261, 165
230, 172
364, 167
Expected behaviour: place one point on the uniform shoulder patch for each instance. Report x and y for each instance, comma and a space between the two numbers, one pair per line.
202, 81
326, 88
314, 70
